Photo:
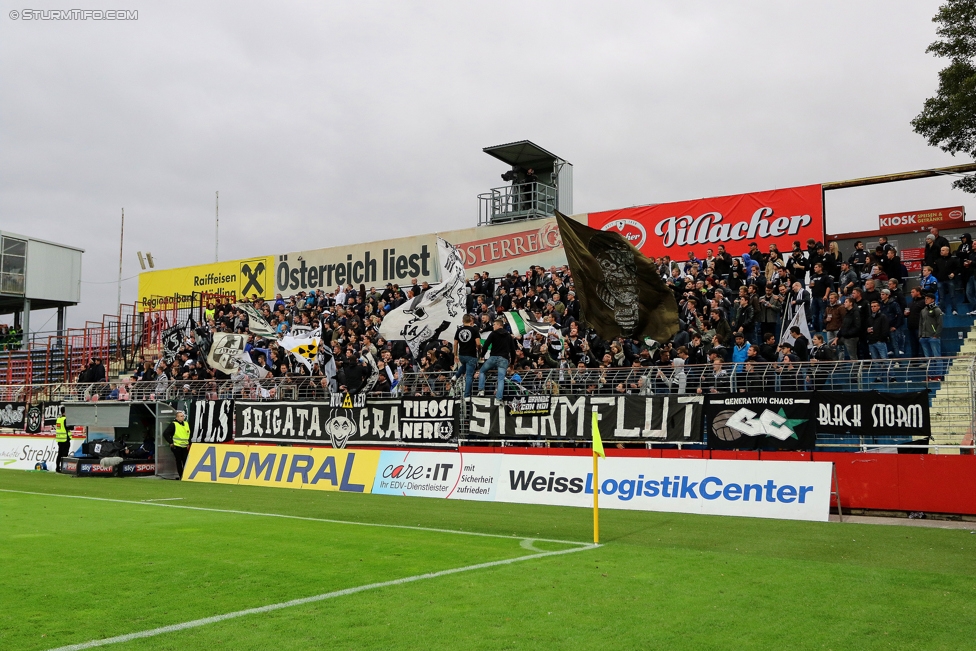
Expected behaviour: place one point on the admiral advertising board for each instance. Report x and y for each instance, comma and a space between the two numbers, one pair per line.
292, 467
778, 217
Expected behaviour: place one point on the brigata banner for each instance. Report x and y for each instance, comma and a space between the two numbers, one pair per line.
792, 490
345, 421
447, 475
778, 217
294, 467
870, 413
782, 421
622, 418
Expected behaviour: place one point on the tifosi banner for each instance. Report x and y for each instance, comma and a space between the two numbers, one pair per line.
622, 418
778, 217
355, 421
212, 421
871, 413
760, 489
782, 421
309, 468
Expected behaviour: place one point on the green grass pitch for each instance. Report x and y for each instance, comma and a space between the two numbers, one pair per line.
77, 570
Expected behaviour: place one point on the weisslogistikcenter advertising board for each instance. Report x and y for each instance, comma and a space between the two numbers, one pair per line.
778, 217
788, 490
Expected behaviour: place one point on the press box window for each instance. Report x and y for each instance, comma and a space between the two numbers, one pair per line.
13, 264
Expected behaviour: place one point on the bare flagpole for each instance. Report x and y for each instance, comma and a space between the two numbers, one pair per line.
118, 300
216, 226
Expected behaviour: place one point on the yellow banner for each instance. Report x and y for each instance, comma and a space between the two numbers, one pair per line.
322, 469
237, 278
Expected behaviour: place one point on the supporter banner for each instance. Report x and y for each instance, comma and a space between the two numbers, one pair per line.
793, 490
307, 468
871, 413
212, 421
172, 342
623, 418
414, 421
447, 475
25, 452
777, 217
530, 406
35, 419
922, 220
783, 421
236, 278
13, 414
52, 411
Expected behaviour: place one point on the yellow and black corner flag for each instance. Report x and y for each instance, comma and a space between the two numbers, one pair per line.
621, 292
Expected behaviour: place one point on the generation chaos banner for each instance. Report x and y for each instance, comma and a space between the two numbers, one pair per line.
778, 217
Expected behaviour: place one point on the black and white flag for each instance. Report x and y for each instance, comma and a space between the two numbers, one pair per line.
256, 323
212, 421
172, 342
435, 312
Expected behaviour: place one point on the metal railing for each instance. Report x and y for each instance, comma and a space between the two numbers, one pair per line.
517, 201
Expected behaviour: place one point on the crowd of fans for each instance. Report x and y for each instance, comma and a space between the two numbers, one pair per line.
732, 310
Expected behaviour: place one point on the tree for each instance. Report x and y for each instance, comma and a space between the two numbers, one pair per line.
948, 120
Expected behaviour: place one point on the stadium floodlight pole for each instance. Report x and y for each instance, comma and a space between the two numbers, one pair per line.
118, 300
216, 226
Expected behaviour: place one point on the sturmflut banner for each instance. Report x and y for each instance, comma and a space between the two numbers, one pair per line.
351, 421
622, 418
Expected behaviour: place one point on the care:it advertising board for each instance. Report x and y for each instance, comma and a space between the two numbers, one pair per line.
446, 475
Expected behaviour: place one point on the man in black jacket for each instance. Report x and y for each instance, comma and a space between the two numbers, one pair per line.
877, 330
501, 347
946, 268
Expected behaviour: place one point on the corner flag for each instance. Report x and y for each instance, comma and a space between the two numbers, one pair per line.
597, 453
597, 440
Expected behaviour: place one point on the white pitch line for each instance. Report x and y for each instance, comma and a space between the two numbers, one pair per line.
308, 600
164, 499
298, 517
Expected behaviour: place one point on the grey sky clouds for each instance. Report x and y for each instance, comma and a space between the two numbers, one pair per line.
332, 123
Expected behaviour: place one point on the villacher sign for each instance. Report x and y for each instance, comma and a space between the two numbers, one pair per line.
778, 217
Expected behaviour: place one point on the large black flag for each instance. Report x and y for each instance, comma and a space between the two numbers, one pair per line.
620, 291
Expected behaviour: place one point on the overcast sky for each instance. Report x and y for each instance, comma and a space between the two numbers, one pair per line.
331, 123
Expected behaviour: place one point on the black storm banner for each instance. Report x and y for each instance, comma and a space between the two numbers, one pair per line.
784, 421
212, 421
411, 421
622, 418
871, 413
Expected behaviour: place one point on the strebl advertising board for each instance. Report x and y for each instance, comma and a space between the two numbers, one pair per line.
25, 452
778, 217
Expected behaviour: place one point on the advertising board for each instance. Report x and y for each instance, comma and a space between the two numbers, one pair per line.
789, 490
25, 452
447, 475
922, 220
777, 217
292, 467
237, 278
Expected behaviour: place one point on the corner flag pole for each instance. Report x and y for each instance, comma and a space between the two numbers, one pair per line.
597, 453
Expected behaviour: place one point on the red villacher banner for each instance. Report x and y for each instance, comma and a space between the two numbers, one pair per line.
778, 217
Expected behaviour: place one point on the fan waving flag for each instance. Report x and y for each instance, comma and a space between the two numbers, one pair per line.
436, 312
521, 324
255, 321
304, 350
621, 293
